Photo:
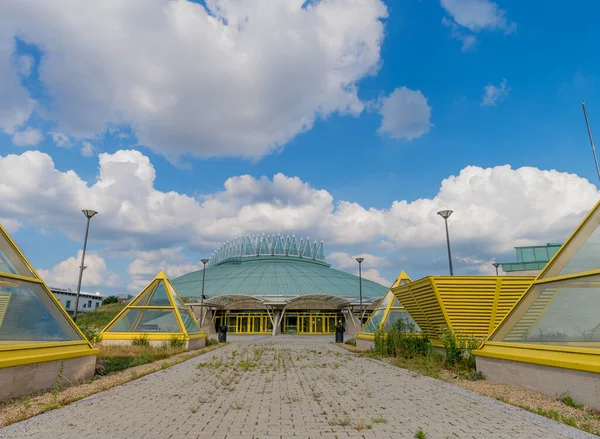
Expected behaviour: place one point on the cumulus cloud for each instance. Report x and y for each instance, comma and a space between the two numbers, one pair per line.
15, 104
275, 67
11, 225
87, 149
494, 208
345, 261
468, 17
27, 137
493, 94
373, 274
61, 140
147, 264
66, 273
405, 114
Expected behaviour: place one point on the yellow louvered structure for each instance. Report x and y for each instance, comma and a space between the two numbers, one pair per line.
472, 305
4, 298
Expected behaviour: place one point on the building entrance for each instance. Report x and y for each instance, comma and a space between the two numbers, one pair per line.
245, 322
310, 322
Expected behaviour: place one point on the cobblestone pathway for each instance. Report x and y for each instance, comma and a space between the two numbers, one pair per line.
287, 387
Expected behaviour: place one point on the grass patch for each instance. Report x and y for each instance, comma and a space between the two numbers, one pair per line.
120, 357
91, 323
569, 401
350, 342
420, 434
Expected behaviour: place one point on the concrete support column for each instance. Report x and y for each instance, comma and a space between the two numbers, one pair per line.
276, 322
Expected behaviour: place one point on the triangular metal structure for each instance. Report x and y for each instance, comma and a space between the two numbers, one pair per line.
157, 312
387, 311
560, 307
34, 327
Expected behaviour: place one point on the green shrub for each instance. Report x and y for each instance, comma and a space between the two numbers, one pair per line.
211, 341
402, 340
177, 341
110, 299
142, 340
569, 401
459, 348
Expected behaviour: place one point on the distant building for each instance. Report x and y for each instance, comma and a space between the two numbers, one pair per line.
125, 299
530, 260
87, 301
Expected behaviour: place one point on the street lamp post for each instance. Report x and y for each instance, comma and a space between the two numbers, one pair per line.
496, 265
89, 214
360, 260
446, 214
204, 262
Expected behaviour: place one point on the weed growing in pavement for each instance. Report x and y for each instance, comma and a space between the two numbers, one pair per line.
420, 434
236, 406
344, 422
378, 420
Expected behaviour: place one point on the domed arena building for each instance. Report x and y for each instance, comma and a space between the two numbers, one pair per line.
276, 285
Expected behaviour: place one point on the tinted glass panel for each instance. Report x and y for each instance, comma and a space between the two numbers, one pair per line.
189, 322
374, 321
395, 315
146, 320
160, 296
27, 313
10, 261
556, 313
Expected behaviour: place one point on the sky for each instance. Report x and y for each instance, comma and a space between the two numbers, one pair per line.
186, 124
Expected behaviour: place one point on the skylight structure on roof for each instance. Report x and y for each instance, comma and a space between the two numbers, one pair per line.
267, 245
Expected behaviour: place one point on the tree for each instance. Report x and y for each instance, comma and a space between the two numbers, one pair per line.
110, 299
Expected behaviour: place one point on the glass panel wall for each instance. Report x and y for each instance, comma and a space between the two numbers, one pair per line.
31, 315
556, 313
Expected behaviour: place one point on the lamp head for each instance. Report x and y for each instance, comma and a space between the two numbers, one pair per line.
204, 261
89, 213
359, 260
445, 213
496, 264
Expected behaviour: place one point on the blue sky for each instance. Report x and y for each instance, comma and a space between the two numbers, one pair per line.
306, 93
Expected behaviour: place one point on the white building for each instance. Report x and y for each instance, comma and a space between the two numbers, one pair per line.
87, 301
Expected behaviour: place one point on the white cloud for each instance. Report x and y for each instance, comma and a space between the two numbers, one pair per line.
373, 274
27, 137
61, 140
494, 94
494, 208
66, 273
10, 225
468, 17
225, 78
25, 65
468, 40
15, 103
87, 149
405, 114
345, 261
147, 264
477, 15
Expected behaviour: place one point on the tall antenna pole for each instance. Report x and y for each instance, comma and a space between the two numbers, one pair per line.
587, 122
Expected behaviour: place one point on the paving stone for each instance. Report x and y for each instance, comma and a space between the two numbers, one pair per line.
282, 387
